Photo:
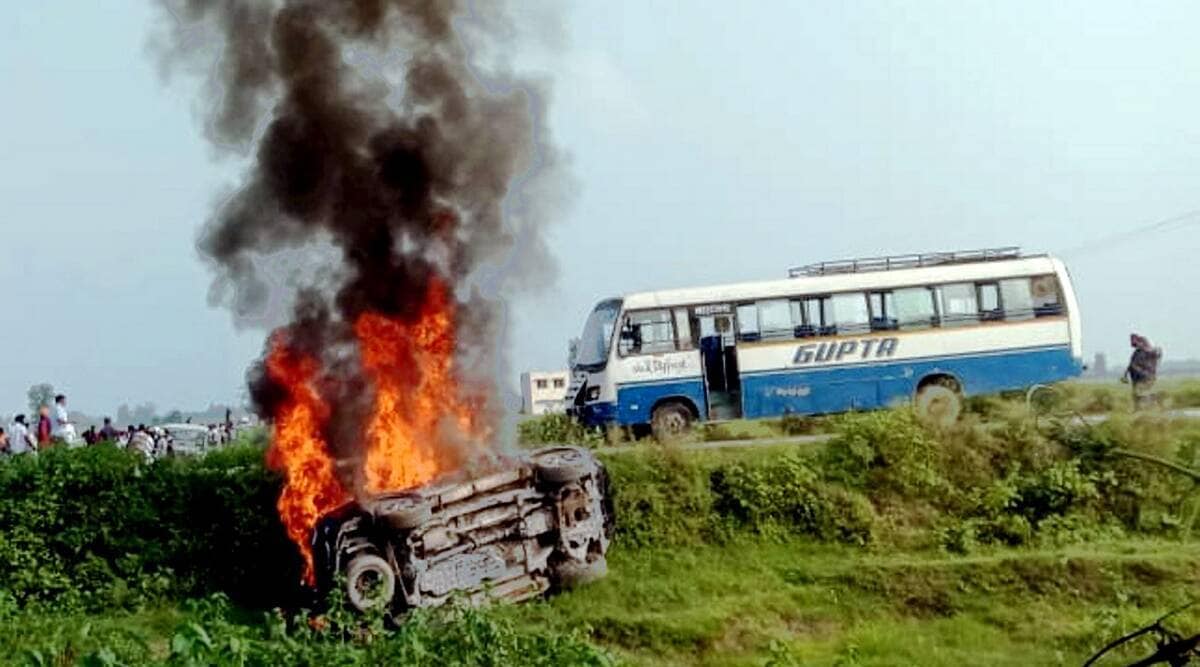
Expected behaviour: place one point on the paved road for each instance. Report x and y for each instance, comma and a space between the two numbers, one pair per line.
1182, 413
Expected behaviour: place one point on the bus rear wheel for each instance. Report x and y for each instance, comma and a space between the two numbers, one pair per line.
939, 402
670, 421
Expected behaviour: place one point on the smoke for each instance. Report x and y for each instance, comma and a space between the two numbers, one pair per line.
380, 161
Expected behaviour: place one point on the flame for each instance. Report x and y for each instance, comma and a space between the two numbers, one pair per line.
311, 488
420, 416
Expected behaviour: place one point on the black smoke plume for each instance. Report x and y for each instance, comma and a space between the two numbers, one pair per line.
377, 154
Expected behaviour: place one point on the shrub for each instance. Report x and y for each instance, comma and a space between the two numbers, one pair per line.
885, 451
788, 495
660, 497
557, 429
98, 527
792, 424
214, 632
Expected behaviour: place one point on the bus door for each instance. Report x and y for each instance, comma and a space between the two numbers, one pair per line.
718, 355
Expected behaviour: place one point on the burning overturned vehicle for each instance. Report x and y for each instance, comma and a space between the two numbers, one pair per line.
376, 235
544, 522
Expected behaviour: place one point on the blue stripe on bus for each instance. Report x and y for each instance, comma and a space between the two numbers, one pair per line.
598, 413
846, 387
636, 401
869, 386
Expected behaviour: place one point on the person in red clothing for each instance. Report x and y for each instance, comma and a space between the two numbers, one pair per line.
43, 427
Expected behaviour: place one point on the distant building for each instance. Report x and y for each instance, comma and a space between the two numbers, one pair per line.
1100, 365
543, 392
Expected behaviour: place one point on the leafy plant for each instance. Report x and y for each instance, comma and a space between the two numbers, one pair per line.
557, 429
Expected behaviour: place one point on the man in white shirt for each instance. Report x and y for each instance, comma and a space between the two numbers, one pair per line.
63, 428
142, 442
20, 439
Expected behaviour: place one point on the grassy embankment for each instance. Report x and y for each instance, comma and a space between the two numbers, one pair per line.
997, 542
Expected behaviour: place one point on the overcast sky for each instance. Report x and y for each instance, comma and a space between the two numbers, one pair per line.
707, 146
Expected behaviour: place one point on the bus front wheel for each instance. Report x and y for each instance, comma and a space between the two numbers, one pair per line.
670, 421
939, 403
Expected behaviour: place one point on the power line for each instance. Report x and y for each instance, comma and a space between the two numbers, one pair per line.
1166, 224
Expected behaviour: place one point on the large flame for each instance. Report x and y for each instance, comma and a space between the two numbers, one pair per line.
418, 426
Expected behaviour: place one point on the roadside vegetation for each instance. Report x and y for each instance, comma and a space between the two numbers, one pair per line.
1007, 539
1082, 398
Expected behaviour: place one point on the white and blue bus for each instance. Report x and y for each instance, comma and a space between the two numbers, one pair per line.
832, 337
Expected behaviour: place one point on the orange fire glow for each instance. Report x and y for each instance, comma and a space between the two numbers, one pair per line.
418, 413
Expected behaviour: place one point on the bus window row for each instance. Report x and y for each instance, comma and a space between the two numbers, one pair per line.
846, 313
902, 309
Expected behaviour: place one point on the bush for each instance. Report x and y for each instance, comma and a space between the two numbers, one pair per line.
885, 451
792, 424
788, 495
213, 632
661, 497
557, 429
98, 527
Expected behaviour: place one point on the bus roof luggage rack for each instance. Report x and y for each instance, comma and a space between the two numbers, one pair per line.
863, 264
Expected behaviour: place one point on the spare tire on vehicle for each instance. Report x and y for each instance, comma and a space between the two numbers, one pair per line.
560, 465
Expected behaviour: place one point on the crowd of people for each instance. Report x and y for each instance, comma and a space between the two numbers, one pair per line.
53, 427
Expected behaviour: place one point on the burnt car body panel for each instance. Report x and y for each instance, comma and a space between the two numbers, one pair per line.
544, 521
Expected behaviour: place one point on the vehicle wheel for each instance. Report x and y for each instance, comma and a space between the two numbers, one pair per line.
370, 583
560, 465
670, 421
939, 403
572, 573
406, 512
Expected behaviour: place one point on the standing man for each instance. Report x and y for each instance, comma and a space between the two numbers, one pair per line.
43, 428
20, 440
1142, 370
107, 432
64, 429
4, 448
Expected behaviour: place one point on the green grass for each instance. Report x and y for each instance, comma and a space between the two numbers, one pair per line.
759, 602
756, 601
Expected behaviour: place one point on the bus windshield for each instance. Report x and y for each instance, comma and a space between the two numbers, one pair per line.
597, 332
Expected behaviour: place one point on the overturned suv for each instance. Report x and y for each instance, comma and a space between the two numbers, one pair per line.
544, 522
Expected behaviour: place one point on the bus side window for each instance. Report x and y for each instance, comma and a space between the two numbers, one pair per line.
1046, 300
1017, 299
850, 313
914, 308
683, 330
883, 309
747, 323
959, 306
775, 318
811, 317
989, 301
647, 332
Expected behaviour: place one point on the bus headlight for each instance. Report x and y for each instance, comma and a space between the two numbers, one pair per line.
592, 394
